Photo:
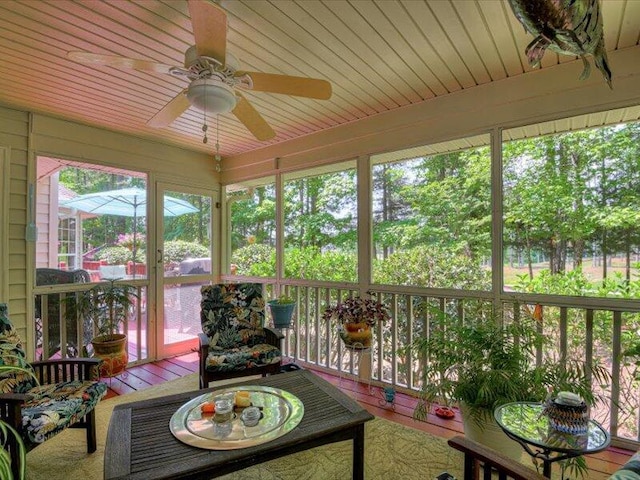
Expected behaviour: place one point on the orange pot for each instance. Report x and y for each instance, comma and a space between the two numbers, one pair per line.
357, 335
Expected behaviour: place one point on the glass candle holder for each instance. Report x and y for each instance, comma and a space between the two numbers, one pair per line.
224, 410
251, 416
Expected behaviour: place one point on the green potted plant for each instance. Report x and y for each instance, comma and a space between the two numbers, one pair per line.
480, 363
282, 311
355, 317
107, 305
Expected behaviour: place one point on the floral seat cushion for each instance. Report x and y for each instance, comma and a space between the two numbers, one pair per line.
243, 357
232, 317
54, 407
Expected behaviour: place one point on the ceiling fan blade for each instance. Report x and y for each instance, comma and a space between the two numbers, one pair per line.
288, 85
209, 23
118, 62
251, 119
172, 110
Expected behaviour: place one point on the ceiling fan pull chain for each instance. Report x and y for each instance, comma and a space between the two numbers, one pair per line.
204, 122
218, 158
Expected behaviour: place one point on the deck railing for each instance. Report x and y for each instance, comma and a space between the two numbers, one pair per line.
598, 331
59, 333
591, 329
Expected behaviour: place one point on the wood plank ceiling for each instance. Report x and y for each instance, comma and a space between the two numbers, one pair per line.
379, 55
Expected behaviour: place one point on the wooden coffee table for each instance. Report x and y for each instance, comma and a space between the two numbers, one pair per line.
141, 446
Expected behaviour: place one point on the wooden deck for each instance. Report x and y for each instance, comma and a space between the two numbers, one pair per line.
601, 465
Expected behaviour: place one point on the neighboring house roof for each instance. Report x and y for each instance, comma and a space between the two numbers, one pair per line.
64, 194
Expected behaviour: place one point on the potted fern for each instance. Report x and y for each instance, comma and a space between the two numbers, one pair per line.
481, 363
107, 305
282, 310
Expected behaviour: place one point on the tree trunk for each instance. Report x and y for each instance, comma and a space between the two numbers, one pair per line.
578, 252
604, 254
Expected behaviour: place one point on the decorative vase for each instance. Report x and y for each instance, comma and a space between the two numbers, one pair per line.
112, 350
356, 335
281, 313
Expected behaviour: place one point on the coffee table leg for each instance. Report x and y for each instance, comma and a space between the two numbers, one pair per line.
358, 453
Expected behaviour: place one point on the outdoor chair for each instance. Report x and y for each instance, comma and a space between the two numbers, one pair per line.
65, 395
235, 342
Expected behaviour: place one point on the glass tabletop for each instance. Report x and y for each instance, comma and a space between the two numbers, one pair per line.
525, 421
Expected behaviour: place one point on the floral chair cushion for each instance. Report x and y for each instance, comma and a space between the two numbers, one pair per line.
243, 357
232, 317
12, 354
57, 406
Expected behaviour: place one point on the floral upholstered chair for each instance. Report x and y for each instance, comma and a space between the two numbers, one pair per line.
234, 341
44, 398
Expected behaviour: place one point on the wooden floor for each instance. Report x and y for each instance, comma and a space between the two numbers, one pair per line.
601, 465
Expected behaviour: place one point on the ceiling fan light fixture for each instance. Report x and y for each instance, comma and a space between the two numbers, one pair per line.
211, 96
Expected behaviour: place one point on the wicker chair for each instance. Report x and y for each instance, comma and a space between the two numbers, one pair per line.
234, 342
66, 395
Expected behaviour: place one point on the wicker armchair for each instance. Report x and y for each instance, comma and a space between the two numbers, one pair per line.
65, 395
235, 342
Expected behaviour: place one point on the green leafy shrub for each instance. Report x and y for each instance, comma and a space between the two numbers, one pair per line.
116, 255
314, 264
431, 266
179, 250
255, 260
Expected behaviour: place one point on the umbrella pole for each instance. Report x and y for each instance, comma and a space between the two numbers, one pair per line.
135, 243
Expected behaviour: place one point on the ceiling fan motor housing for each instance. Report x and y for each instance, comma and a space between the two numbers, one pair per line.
211, 96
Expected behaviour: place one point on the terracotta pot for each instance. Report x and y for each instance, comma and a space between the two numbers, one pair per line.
112, 350
356, 335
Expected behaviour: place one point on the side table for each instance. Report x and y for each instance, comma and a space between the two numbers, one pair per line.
525, 423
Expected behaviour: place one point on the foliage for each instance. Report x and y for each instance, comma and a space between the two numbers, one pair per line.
484, 364
179, 250
358, 310
315, 264
283, 299
432, 266
254, 214
115, 255
9, 434
255, 260
107, 305
127, 240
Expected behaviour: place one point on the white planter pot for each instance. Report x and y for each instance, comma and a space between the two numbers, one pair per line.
489, 433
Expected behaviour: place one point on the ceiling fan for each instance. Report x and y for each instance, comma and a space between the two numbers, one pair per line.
214, 75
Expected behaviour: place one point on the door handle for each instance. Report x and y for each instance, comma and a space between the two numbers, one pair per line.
160, 259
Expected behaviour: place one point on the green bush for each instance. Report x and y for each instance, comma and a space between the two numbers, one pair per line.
179, 250
431, 266
116, 255
314, 264
255, 260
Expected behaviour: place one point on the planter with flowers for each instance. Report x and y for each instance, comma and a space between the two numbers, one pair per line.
355, 317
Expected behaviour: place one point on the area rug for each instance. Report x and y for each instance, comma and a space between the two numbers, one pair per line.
392, 451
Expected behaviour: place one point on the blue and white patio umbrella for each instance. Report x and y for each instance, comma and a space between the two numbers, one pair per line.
127, 202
